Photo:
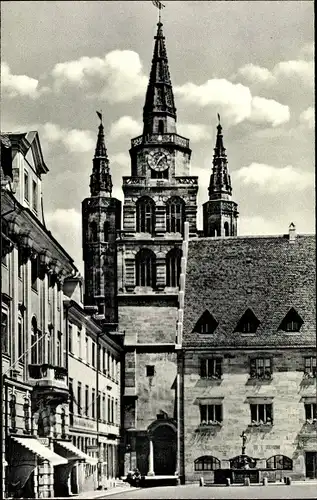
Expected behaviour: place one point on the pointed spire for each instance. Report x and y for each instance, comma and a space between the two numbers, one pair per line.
100, 179
159, 101
220, 182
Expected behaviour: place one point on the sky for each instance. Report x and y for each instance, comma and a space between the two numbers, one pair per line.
252, 62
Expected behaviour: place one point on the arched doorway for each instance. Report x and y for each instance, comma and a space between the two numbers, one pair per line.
163, 435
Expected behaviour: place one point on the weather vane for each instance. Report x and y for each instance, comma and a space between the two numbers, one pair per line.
160, 6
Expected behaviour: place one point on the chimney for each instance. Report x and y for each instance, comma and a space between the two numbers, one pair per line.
292, 232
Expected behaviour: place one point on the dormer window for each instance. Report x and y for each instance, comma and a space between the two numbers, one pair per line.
292, 322
206, 324
248, 323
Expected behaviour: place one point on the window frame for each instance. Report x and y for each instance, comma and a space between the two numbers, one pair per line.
175, 215
34, 196
145, 215
310, 412
5, 335
26, 186
145, 263
261, 368
209, 367
207, 462
278, 462
257, 407
211, 412
173, 267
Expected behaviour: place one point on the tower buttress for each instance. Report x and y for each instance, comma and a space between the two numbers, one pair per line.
220, 213
101, 215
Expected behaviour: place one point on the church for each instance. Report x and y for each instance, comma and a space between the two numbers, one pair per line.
218, 331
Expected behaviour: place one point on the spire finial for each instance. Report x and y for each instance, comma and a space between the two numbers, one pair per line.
160, 6
99, 113
218, 118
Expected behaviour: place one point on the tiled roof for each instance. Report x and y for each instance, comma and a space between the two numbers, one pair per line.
269, 275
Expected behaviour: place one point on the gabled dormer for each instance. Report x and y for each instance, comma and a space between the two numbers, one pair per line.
28, 166
248, 322
291, 322
206, 324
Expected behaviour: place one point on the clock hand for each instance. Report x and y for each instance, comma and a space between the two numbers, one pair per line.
160, 158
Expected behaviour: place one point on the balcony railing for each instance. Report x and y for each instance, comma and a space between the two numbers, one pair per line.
175, 139
141, 181
47, 372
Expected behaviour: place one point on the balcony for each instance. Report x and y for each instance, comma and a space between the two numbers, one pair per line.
174, 139
49, 382
141, 181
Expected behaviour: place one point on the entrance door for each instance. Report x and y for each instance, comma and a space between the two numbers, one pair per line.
311, 464
164, 444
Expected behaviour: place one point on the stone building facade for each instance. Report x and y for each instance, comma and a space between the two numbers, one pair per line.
192, 383
249, 347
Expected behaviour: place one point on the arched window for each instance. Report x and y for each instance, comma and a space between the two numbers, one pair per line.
226, 228
93, 231
161, 127
34, 343
207, 462
145, 268
175, 215
106, 231
173, 267
145, 222
279, 462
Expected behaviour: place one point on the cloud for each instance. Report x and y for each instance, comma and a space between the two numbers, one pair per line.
299, 70
120, 72
76, 141
125, 126
269, 111
231, 99
195, 131
19, 85
235, 102
256, 74
66, 227
307, 117
273, 179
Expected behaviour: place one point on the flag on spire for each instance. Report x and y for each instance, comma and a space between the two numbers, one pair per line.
99, 115
158, 4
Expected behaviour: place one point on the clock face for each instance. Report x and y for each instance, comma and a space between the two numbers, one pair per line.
159, 160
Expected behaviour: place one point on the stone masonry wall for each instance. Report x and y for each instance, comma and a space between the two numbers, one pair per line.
290, 435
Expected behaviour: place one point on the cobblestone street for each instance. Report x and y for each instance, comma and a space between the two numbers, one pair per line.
295, 491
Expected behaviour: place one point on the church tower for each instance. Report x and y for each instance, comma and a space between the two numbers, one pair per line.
220, 213
160, 195
101, 215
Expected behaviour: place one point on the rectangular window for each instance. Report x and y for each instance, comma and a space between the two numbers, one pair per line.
104, 408
98, 405
210, 414
211, 368
34, 273
71, 401
79, 398
70, 337
87, 350
93, 354
20, 339
5, 331
79, 342
109, 364
112, 411
104, 360
87, 401
310, 367
310, 412
93, 403
26, 186
109, 411
99, 358
59, 349
261, 368
34, 196
20, 263
150, 370
261, 414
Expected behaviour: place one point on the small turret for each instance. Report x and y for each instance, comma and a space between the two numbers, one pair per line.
100, 179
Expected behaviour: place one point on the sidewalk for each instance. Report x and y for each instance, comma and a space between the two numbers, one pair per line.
99, 493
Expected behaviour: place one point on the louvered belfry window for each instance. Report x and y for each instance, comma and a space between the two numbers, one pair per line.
145, 215
175, 215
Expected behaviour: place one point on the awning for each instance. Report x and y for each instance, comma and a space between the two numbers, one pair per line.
69, 451
39, 449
